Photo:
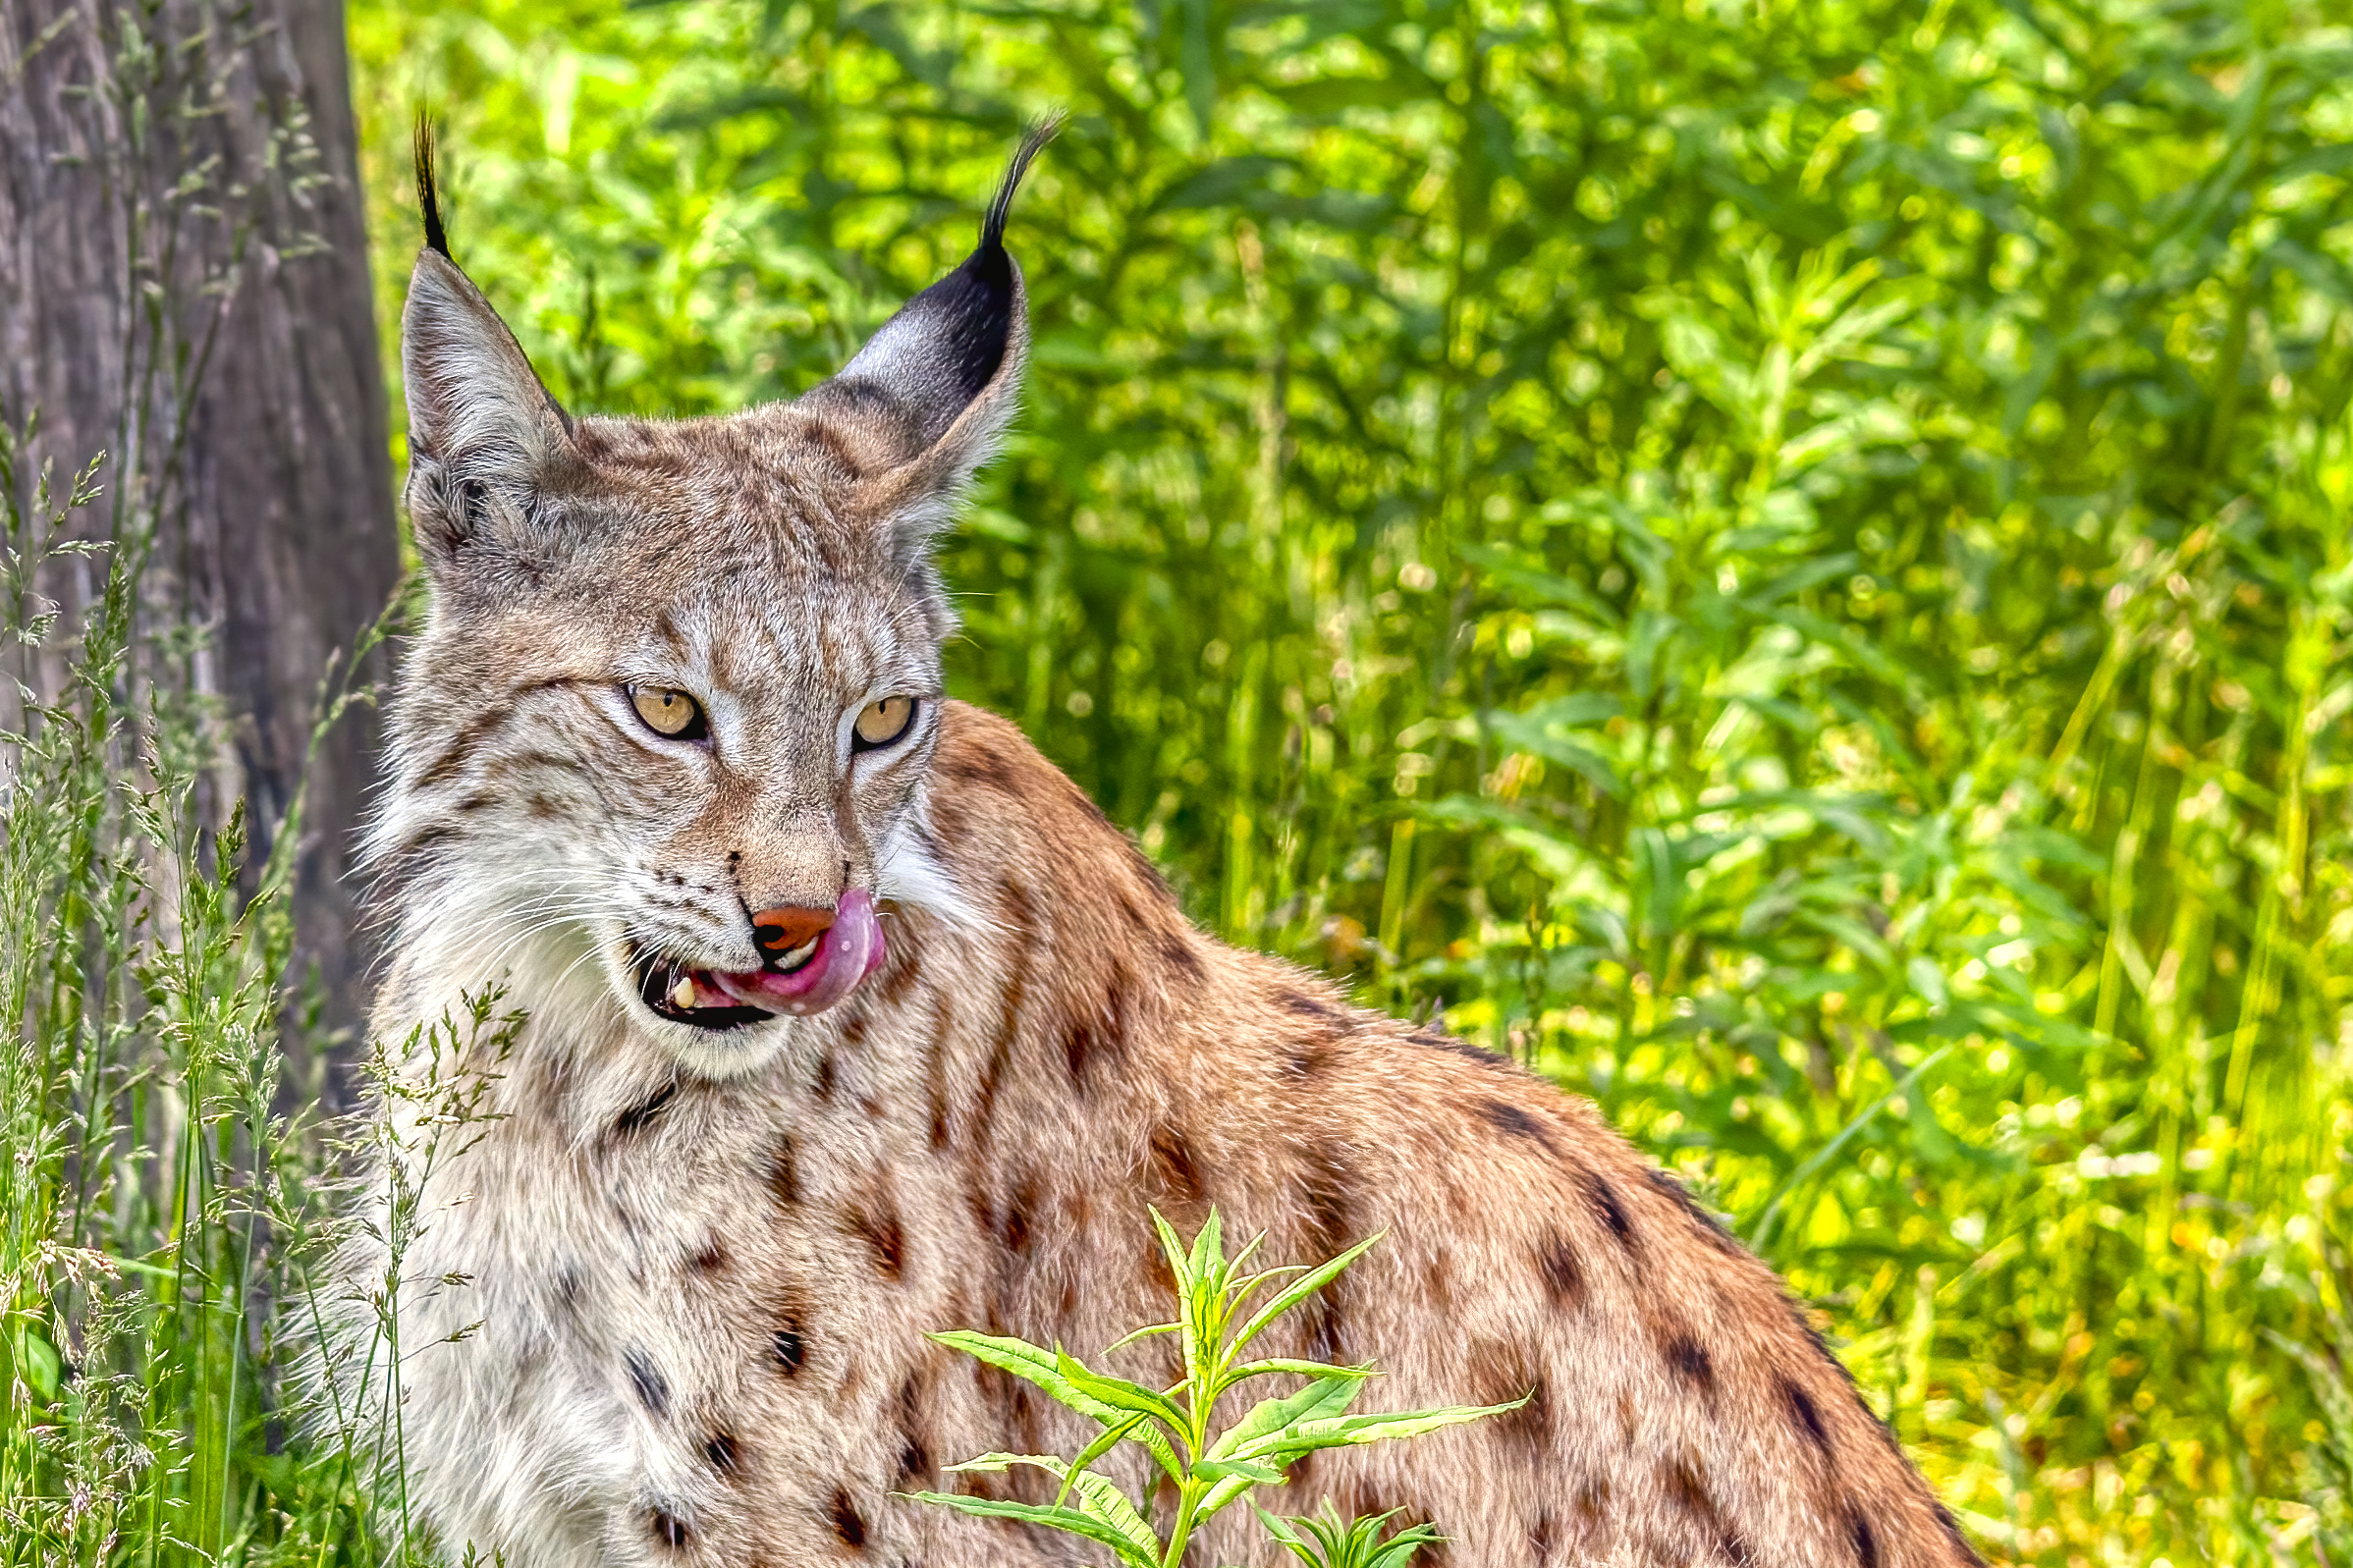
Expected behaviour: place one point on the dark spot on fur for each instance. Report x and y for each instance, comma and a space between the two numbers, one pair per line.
879, 1229
1022, 918
1711, 1229
852, 1029
1103, 1038
1563, 1274
712, 1258
836, 445
1173, 1164
430, 837
1822, 1350
1503, 1375
1176, 952
935, 1066
669, 1529
898, 977
823, 1088
1544, 1538
847, 1523
1330, 1188
914, 1452
634, 1119
1503, 1116
788, 1350
1303, 1006
783, 1172
1608, 1208
1808, 1416
1461, 1048
1686, 1483
652, 1391
1866, 1543
977, 764
1691, 1361
467, 741
1306, 1059
1963, 1552
1688, 1488
722, 1450
1016, 1225
568, 1288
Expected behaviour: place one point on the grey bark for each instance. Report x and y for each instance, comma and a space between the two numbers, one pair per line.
183, 285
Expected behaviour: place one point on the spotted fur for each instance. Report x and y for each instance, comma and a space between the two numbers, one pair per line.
670, 1299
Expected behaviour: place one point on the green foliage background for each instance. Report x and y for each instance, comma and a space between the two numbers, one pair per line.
1786, 564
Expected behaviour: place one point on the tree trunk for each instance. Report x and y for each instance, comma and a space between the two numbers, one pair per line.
183, 285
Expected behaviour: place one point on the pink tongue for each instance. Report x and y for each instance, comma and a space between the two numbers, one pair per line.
851, 949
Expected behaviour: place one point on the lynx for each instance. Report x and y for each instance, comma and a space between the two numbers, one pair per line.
849, 1017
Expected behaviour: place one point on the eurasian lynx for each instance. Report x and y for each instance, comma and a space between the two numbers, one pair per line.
849, 1017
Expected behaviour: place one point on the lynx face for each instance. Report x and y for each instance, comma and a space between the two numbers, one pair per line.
678, 682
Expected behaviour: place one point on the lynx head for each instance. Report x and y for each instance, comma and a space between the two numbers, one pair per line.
662, 742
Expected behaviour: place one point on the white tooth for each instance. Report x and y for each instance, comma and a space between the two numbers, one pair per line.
681, 995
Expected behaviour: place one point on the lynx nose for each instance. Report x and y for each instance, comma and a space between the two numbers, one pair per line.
780, 931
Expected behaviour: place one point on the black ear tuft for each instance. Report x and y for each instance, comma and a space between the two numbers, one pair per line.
1042, 129
428, 190
944, 346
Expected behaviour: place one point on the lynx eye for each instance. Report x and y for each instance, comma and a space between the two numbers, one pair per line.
881, 722
669, 713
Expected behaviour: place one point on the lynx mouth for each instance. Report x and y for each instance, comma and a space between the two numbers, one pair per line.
807, 980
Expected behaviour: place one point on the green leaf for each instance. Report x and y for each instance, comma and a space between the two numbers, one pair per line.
1247, 1469
1069, 1520
1033, 1365
1307, 1436
1299, 1289
1111, 1438
1122, 1394
1303, 1369
1106, 1503
999, 1464
1320, 1400
1219, 183
38, 1362
1134, 1334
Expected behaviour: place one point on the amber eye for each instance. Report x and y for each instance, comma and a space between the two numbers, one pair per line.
669, 713
881, 722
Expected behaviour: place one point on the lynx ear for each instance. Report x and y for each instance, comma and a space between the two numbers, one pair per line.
923, 404
483, 431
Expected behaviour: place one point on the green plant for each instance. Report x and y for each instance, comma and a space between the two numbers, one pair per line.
1210, 1470
1331, 1541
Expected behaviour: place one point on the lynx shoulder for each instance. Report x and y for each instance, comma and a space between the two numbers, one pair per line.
847, 1018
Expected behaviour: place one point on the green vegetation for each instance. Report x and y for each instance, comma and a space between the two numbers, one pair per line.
1210, 1470
1786, 566
156, 1200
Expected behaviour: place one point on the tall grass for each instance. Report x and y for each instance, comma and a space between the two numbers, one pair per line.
1786, 564
160, 1181
162, 1208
